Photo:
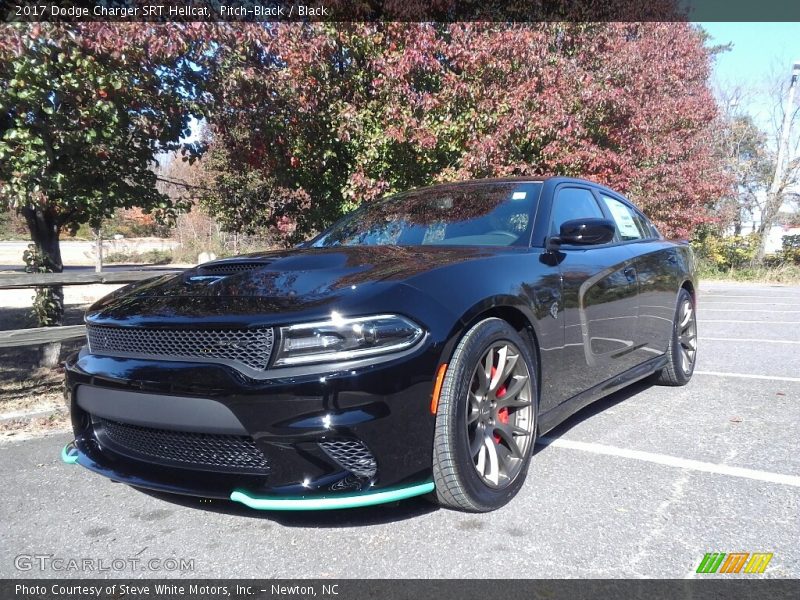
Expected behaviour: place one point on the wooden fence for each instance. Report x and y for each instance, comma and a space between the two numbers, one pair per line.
46, 335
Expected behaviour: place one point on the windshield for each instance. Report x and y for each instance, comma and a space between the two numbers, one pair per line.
475, 214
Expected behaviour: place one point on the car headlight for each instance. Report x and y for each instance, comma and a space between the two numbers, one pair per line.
343, 338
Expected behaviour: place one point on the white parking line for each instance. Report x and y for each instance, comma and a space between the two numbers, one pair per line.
766, 310
673, 461
707, 303
725, 297
747, 376
754, 340
741, 322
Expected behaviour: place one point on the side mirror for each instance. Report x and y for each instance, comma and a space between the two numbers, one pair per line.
584, 232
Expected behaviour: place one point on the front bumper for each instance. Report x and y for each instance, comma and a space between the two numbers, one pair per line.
71, 455
384, 406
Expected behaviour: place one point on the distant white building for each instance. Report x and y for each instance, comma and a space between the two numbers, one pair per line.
775, 237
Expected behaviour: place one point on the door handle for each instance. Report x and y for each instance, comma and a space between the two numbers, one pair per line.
630, 273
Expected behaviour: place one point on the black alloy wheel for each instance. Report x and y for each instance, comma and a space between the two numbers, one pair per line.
486, 419
682, 351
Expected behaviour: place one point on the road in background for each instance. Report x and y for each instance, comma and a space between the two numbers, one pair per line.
80, 252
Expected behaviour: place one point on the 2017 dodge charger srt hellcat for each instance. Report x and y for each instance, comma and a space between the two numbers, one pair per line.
418, 346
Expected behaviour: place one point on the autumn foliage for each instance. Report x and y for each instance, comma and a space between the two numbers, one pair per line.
308, 120
325, 116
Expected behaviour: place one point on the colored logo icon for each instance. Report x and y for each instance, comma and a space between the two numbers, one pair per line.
734, 562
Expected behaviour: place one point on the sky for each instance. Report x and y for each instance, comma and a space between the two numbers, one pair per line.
759, 50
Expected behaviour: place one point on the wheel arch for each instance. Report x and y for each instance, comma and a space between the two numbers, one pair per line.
510, 312
689, 287
454, 474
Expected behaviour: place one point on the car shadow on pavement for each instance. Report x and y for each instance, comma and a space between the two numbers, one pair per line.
595, 408
350, 517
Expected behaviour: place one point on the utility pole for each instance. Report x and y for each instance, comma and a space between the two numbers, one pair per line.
776, 188
98, 240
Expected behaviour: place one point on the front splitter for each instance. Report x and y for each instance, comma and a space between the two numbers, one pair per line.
70, 455
333, 502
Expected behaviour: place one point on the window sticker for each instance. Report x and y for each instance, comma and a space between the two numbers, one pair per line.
624, 219
519, 195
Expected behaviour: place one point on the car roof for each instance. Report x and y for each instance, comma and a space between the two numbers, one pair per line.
537, 179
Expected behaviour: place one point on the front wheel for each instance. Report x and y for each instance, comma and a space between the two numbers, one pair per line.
486, 419
682, 350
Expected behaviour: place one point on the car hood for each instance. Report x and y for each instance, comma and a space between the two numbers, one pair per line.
290, 281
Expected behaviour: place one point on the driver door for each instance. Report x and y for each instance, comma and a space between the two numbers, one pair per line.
600, 299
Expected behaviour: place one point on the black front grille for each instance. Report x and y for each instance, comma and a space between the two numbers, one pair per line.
204, 451
248, 347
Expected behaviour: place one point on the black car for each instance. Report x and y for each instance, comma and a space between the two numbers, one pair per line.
418, 346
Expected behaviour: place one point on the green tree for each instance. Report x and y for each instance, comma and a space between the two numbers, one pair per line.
84, 111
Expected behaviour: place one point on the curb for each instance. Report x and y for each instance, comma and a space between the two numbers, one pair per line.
30, 416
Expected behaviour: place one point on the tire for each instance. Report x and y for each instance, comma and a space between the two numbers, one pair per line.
682, 349
497, 414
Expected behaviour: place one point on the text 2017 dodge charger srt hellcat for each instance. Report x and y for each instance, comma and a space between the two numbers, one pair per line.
418, 346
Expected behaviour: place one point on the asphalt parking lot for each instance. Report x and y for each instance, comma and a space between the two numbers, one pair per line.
641, 484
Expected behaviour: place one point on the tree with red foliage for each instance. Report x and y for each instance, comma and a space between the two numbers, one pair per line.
316, 118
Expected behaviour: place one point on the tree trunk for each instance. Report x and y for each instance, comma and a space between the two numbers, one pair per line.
769, 216
737, 223
44, 229
49, 355
779, 179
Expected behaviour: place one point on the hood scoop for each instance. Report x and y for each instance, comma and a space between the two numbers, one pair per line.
225, 268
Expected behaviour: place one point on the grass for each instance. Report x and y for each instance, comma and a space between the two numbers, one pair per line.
785, 273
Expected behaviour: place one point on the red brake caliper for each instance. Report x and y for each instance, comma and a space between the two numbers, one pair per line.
502, 414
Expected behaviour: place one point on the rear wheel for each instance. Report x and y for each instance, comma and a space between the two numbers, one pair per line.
486, 419
682, 351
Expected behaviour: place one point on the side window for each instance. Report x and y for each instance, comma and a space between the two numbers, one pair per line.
646, 226
573, 203
629, 225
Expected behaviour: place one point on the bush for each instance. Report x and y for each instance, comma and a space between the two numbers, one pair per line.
154, 257
13, 226
129, 223
198, 232
724, 253
790, 249
132, 222
157, 257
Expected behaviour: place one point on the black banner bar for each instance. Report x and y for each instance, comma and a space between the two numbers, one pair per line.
703, 588
398, 10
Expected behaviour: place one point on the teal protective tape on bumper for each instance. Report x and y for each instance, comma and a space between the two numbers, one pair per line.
332, 502
69, 454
